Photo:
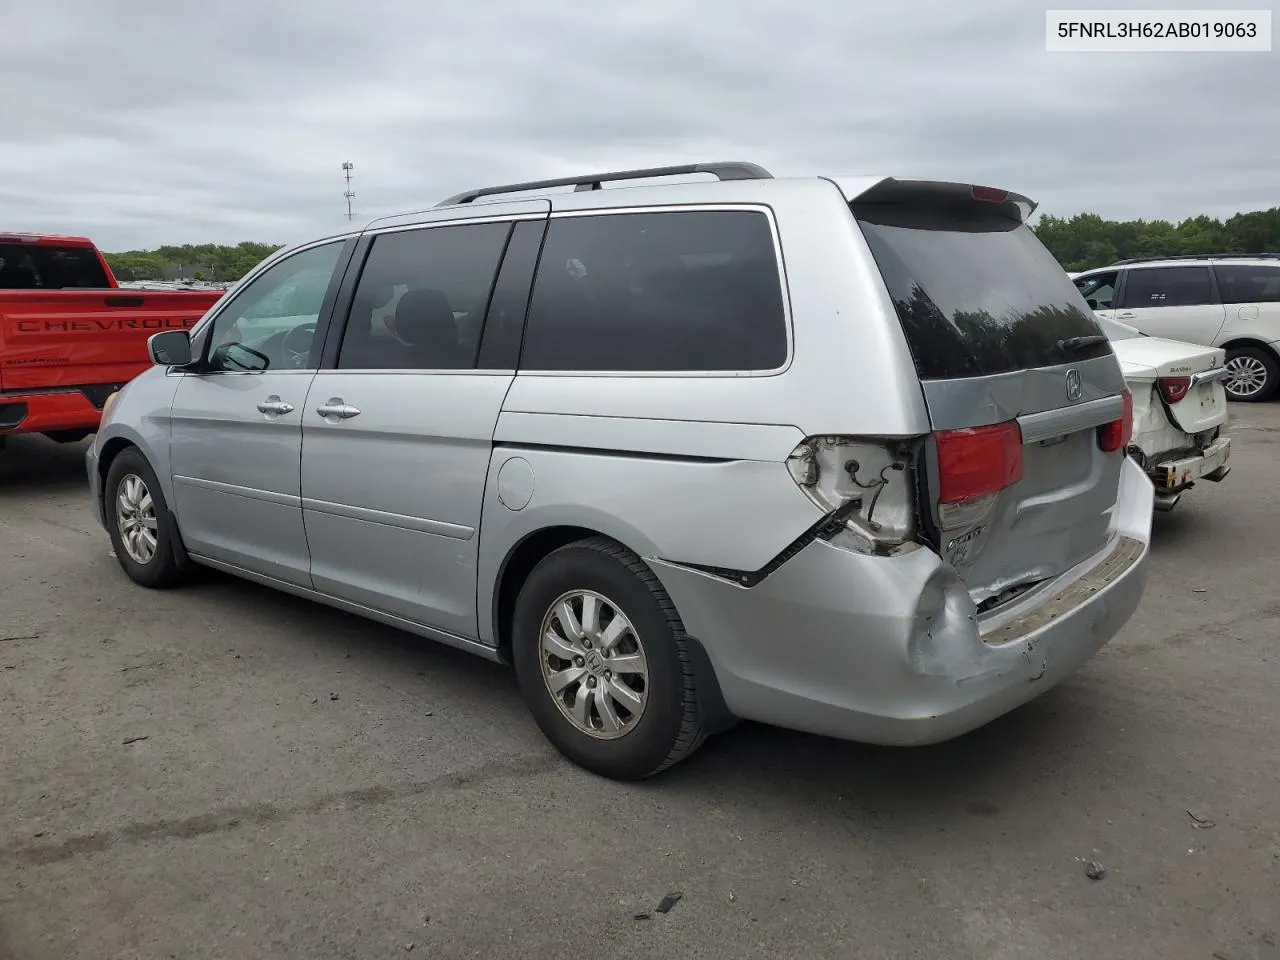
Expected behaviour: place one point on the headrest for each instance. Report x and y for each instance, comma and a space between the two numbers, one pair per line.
425, 317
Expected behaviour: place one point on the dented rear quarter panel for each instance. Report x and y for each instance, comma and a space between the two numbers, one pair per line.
689, 492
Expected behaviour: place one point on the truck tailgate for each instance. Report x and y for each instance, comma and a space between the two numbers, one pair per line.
69, 338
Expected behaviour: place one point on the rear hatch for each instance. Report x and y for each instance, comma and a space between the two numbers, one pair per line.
1188, 378
1025, 395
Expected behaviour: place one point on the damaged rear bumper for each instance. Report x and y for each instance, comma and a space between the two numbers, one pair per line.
891, 650
1175, 475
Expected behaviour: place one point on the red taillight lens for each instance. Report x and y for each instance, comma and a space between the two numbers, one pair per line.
1117, 434
1174, 389
978, 461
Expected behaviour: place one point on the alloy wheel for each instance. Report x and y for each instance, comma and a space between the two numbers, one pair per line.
136, 519
593, 664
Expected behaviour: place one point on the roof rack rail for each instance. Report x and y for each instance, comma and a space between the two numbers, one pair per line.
727, 170
1200, 256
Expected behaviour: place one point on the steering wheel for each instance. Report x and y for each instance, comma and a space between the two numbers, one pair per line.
296, 344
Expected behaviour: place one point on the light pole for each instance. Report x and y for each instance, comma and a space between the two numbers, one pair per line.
347, 167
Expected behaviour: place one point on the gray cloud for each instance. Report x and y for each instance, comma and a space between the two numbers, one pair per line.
159, 122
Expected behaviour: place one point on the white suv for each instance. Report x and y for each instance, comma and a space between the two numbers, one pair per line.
1222, 300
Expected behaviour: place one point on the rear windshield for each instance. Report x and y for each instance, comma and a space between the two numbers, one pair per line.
977, 293
26, 266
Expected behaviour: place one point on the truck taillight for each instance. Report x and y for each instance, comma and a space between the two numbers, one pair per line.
1116, 435
1173, 389
975, 464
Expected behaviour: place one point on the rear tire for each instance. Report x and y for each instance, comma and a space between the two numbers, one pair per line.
142, 530
626, 705
1255, 374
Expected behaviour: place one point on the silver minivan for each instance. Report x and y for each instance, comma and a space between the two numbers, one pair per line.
846, 455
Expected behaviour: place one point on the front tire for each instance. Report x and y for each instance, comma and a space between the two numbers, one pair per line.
1255, 374
603, 662
141, 528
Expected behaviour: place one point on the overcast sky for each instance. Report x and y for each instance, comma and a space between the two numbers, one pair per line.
142, 122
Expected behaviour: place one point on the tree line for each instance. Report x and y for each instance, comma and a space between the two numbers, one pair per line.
1081, 242
1087, 240
203, 261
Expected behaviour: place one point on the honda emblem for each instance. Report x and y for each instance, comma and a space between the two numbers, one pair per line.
1074, 386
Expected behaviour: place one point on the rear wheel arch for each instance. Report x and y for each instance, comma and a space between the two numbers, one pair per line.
1237, 342
526, 554
531, 550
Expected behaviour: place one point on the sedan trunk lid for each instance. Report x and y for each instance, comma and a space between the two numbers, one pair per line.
1188, 377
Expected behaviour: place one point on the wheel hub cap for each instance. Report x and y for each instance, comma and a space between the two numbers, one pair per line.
593, 664
1247, 376
136, 519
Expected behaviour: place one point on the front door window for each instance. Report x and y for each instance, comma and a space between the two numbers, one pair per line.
270, 324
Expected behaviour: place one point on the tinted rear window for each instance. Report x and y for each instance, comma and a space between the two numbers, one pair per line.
977, 293
1249, 284
25, 266
657, 292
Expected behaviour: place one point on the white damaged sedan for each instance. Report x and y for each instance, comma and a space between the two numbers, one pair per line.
1179, 409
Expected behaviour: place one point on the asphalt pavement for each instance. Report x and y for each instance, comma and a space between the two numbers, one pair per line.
226, 772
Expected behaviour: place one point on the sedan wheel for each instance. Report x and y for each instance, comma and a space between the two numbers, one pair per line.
1254, 374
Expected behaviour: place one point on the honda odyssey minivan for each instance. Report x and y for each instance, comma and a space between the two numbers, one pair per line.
846, 455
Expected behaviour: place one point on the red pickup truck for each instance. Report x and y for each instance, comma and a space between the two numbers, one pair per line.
70, 336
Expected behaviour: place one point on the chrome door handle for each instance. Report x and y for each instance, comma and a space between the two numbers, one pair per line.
273, 404
338, 409
1124, 316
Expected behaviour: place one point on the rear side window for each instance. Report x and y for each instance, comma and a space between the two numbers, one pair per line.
25, 266
421, 299
976, 292
1249, 284
1168, 287
657, 292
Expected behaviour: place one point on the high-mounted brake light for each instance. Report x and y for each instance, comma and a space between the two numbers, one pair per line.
978, 461
990, 194
1174, 389
1117, 434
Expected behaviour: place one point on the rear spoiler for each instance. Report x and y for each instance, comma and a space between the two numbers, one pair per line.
891, 190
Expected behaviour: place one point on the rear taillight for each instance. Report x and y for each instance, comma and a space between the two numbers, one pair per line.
978, 461
974, 465
1117, 434
1173, 389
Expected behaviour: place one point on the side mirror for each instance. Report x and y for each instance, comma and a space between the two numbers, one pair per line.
172, 348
